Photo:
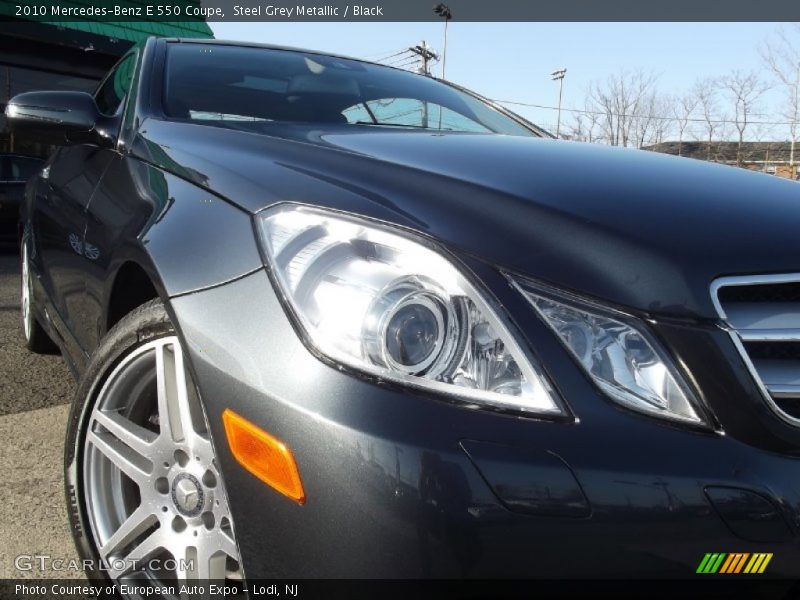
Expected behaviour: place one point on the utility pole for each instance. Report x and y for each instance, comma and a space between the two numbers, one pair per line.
426, 55
559, 75
793, 128
444, 11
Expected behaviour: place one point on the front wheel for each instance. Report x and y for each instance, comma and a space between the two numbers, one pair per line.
146, 495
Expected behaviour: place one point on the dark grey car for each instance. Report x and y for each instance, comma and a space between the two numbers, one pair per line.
333, 319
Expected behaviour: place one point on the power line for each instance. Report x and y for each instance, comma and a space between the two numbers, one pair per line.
385, 53
629, 116
404, 61
398, 56
382, 57
396, 60
408, 63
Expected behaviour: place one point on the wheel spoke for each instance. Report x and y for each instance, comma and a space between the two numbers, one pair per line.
174, 412
185, 562
133, 465
228, 545
200, 561
137, 438
135, 558
210, 564
201, 446
134, 526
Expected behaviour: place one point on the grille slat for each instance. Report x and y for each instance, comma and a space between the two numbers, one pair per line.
784, 392
769, 335
763, 314
779, 372
766, 316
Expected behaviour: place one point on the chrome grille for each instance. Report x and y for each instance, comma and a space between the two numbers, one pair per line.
763, 315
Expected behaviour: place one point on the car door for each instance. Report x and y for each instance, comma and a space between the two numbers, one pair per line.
7, 205
59, 224
112, 99
60, 215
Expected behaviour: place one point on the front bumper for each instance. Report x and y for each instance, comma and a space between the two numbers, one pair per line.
400, 484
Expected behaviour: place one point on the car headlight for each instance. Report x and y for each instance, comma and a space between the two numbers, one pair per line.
621, 358
389, 304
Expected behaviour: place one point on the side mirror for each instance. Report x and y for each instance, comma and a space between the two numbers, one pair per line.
60, 118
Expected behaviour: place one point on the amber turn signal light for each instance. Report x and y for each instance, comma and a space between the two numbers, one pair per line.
263, 455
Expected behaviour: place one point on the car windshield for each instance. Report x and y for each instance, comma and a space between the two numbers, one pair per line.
245, 85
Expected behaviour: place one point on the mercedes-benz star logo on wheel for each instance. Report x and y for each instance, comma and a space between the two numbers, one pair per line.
187, 494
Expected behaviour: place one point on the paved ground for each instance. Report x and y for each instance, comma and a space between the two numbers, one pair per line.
32, 511
34, 391
28, 381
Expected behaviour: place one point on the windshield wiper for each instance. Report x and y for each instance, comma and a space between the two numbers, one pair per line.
393, 125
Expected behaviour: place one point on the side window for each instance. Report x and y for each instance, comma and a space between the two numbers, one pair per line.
112, 91
399, 111
409, 112
22, 169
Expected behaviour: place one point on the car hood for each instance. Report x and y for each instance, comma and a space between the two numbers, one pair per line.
640, 229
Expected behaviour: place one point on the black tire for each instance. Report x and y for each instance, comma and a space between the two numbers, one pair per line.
36, 338
144, 324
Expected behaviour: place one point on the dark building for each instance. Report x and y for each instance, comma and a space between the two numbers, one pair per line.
775, 158
66, 56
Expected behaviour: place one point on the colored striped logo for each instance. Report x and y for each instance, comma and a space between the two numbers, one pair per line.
736, 562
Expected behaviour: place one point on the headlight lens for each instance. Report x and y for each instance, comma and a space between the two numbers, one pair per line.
385, 303
623, 360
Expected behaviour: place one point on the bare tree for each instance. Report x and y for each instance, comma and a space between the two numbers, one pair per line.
653, 125
782, 56
666, 128
706, 92
681, 110
744, 90
643, 120
623, 101
584, 126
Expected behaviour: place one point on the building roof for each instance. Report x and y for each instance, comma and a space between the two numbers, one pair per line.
727, 151
130, 30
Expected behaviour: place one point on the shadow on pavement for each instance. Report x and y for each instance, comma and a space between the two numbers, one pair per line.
29, 381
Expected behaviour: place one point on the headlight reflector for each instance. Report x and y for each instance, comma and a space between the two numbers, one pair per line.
622, 359
388, 304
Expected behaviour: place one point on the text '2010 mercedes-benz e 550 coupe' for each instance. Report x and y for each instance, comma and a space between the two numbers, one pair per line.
333, 319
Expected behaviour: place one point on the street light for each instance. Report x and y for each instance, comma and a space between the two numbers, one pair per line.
559, 76
444, 12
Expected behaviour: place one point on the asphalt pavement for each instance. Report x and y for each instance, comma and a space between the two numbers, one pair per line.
34, 393
27, 381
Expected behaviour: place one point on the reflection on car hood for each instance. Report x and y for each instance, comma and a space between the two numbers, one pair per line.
637, 228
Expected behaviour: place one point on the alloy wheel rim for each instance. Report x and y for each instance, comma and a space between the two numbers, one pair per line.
27, 317
152, 486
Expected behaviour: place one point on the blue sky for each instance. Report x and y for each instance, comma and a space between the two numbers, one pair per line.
512, 61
